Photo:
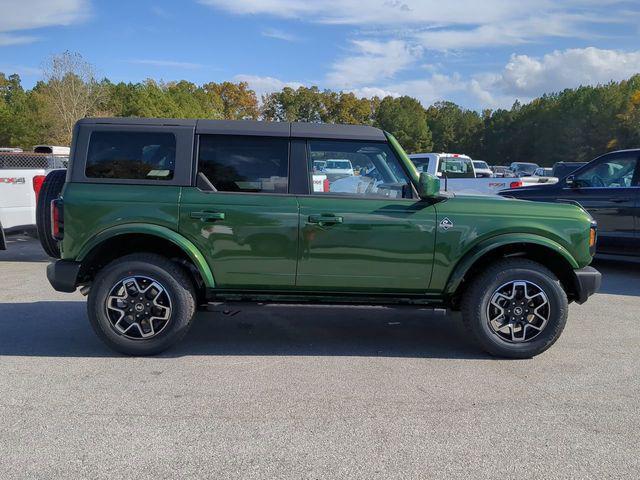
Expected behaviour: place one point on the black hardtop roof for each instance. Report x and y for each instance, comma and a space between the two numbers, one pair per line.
252, 127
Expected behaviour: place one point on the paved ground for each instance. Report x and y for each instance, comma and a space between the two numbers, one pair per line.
314, 393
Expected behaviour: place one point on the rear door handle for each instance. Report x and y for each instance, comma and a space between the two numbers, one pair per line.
620, 200
325, 219
207, 216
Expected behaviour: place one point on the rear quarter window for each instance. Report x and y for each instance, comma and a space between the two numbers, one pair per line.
131, 155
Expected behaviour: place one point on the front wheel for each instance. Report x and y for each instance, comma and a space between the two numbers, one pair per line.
141, 304
516, 308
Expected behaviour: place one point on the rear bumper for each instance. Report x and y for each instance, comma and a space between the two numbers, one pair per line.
63, 275
588, 281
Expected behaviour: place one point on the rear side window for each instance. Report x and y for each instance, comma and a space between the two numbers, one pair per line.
245, 163
131, 155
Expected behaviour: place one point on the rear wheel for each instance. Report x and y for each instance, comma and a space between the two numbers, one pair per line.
517, 308
141, 304
51, 189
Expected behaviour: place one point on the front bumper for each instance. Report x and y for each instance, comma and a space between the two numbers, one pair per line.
63, 275
588, 281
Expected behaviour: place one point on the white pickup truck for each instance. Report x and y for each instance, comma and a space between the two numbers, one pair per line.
458, 175
21, 177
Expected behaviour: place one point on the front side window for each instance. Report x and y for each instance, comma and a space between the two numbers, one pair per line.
351, 168
245, 163
131, 155
611, 173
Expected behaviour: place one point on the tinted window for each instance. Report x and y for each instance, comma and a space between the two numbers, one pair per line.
245, 164
131, 155
355, 168
610, 173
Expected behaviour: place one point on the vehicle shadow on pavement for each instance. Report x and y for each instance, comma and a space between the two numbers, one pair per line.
61, 329
619, 277
22, 248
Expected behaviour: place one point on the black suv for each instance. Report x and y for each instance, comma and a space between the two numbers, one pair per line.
609, 188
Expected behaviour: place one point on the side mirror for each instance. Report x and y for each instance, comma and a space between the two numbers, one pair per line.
570, 181
428, 185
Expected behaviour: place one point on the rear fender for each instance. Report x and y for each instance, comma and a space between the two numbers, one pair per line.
156, 230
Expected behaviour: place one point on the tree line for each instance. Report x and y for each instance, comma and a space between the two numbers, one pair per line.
571, 125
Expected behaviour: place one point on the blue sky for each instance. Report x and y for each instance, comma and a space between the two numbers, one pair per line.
480, 54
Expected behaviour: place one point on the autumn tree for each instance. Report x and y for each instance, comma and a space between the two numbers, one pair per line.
73, 91
237, 100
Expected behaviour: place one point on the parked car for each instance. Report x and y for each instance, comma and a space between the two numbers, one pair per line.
21, 178
609, 188
482, 169
338, 167
459, 175
204, 218
563, 169
523, 169
502, 172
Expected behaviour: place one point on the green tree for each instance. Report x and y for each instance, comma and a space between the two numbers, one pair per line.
405, 119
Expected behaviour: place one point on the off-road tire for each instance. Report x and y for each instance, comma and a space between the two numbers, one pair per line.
170, 275
477, 296
51, 189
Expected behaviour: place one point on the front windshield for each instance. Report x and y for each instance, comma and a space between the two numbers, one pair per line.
479, 164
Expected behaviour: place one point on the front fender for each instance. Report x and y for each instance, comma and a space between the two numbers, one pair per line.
158, 231
486, 246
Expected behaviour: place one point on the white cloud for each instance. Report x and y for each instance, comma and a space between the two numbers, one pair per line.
6, 40
458, 24
22, 70
20, 15
280, 35
430, 89
370, 92
382, 12
522, 78
373, 61
525, 77
167, 64
265, 85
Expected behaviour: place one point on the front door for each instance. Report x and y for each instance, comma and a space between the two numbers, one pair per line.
358, 230
241, 216
608, 189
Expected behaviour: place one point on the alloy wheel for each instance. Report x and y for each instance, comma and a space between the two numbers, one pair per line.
138, 307
518, 311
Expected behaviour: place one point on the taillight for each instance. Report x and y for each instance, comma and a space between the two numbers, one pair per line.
516, 184
38, 181
57, 219
325, 185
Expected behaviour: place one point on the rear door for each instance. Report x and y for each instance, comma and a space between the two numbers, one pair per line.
608, 189
240, 215
366, 233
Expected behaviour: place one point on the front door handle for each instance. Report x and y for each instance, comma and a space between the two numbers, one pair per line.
325, 219
207, 216
620, 200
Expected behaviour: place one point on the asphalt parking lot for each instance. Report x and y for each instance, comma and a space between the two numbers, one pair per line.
308, 392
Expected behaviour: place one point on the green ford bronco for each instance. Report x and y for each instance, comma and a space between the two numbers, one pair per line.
155, 218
